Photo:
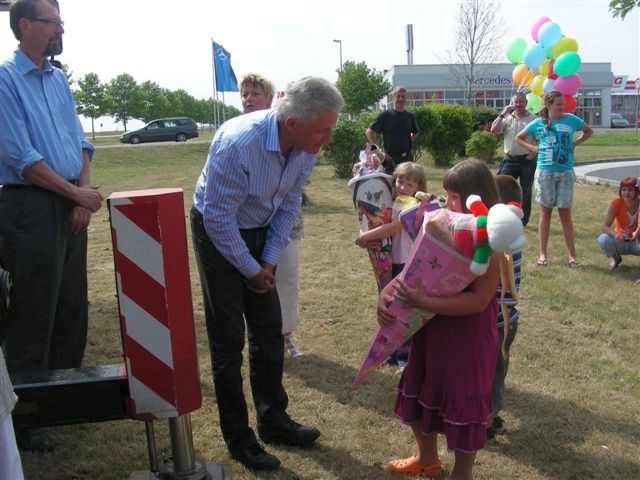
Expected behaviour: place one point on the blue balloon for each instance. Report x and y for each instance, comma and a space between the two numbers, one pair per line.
549, 34
548, 85
533, 56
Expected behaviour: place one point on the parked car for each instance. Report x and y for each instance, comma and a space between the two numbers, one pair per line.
618, 121
163, 130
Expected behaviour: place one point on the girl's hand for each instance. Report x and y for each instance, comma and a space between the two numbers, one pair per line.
385, 317
413, 297
427, 199
359, 241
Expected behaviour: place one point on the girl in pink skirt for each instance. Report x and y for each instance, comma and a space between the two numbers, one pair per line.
446, 386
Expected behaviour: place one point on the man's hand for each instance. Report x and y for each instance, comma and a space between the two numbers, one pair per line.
508, 109
264, 281
88, 197
80, 218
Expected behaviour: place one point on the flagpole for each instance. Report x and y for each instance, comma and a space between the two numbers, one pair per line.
224, 109
215, 92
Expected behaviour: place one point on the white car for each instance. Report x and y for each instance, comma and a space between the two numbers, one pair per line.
618, 121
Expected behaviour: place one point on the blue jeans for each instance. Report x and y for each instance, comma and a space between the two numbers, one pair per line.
610, 246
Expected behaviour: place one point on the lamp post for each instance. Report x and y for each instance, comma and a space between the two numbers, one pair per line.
339, 42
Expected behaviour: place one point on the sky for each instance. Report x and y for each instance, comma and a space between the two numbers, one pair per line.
169, 42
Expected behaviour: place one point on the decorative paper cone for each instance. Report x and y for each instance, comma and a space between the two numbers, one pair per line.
373, 202
443, 271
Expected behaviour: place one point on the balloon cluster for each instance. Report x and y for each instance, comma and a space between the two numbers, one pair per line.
556, 59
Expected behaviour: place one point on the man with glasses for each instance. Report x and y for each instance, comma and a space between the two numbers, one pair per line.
45, 204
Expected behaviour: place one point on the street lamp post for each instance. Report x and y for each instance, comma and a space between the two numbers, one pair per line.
339, 42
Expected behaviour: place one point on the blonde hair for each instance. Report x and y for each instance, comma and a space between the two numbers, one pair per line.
257, 80
413, 172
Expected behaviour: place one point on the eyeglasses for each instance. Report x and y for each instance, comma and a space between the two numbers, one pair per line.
51, 23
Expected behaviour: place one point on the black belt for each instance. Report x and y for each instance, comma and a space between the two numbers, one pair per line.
200, 217
517, 156
30, 185
404, 153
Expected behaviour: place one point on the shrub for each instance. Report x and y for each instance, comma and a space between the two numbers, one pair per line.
451, 131
483, 117
482, 145
348, 139
428, 123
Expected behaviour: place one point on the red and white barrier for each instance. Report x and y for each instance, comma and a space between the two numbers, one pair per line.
154, 298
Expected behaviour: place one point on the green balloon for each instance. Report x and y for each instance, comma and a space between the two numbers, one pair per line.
549, 51
515, 50
567, 64
534, 103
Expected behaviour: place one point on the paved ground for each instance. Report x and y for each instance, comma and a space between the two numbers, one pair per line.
608, 171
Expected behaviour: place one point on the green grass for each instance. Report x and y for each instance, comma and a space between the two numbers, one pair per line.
611, 139
573, 389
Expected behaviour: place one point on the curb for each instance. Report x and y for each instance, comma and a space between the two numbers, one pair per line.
586, 178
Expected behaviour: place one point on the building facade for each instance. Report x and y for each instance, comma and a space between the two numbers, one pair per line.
495, 87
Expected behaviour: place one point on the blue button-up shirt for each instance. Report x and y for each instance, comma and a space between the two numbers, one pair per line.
247, 183
38, 121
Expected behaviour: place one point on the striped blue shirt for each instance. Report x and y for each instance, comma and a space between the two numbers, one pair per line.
38, 121
247, 183
511, 303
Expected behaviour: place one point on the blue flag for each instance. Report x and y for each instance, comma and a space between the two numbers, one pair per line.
225, 77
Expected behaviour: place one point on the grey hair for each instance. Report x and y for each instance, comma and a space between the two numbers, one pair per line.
307, 97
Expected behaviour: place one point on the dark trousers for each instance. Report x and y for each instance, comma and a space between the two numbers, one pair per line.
227, 304
46, 325
502, 367
525, 169
396, 159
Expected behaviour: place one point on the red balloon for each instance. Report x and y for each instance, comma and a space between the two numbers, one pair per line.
551, 74
569, 104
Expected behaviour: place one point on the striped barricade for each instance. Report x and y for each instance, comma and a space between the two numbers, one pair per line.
154, 298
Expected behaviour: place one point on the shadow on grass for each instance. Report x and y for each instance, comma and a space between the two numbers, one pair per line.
552, 431
376, 393
333, 461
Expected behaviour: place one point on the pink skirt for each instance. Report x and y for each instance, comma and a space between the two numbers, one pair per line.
446, 385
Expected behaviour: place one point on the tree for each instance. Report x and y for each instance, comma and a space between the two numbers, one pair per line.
128, 99
620, 8
155, 101
65, 69
360, 87
91, 98
479, 29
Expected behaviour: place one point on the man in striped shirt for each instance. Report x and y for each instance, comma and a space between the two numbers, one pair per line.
247, 199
